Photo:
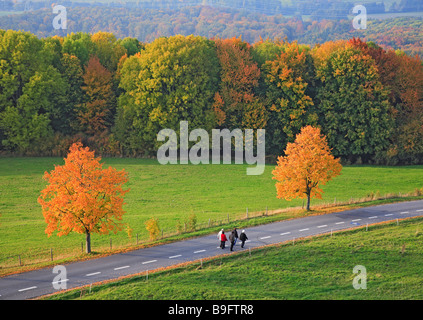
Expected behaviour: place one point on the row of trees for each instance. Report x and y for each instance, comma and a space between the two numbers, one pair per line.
116, 95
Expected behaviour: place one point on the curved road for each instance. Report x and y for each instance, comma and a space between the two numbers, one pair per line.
40, 282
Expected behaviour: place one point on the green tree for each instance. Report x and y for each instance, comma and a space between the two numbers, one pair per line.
80, 45
27, 126
31, 92
72, 73
20, 58
107, 49
171, 80
289, 82
132, 45
353, 105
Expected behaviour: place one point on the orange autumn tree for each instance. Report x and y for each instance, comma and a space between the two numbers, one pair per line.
82, 196
307, 164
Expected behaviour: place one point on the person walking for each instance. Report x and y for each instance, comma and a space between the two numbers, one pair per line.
219, 234
223, 240
235, 235
243, 237
232, 239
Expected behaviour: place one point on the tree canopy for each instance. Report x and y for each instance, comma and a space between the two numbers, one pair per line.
83, 197
116, 95
307, 165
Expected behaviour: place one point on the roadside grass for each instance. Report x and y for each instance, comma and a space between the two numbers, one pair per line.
319, 267
172, 194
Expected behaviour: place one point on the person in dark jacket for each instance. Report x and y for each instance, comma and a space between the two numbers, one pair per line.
236, 235
232, 240
223, 239
243, 237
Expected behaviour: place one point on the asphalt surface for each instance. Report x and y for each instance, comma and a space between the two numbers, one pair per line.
41, 282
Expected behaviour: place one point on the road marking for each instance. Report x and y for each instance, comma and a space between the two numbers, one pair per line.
340, 222
151, 261
179, 255
419, 210
374, 217
92, 274
389, 214
120, 268
25, 289
199, 251
304, 229
282, 234
322, 226
355, 220
60, 281
404, 212
265, 238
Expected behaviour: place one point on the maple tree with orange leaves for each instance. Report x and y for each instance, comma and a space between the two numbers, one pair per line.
82, 196
307, 164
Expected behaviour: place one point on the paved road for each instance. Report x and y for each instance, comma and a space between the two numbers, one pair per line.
40, 282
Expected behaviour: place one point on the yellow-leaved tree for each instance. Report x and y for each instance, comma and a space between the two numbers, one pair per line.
307, 164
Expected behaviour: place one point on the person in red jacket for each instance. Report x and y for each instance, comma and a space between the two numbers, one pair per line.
223, 239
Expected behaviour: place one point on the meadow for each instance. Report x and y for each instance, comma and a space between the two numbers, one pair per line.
318, 268
170, 193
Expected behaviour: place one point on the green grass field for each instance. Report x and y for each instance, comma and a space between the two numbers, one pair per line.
319, 268
170, 193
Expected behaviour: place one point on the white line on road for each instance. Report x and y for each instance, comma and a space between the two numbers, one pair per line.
304, 229
282, 234
374, 217
404, 212
151, 261
120, 268
25, 289
419, 210
92, 274
265, 238
60, 281
199, 251
340, 222
355, 220
389, 214
322, 226
179, 255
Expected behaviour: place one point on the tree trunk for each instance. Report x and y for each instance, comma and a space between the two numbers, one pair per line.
308, 201
88, 241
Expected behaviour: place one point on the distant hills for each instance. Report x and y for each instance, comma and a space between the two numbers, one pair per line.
404, 33
319, 9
